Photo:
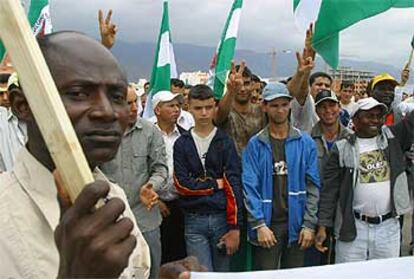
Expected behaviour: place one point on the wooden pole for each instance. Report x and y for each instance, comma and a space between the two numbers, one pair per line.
43, 98
410, 59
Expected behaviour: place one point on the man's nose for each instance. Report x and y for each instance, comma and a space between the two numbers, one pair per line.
102, 107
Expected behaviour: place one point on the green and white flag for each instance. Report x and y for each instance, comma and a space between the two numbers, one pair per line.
222, 60
38, 13
164, 65
332, 16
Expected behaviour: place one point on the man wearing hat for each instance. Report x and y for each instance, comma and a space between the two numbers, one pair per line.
382, 88
325, 133
140, 168
167, 110
365, 187
281, 184
13, 131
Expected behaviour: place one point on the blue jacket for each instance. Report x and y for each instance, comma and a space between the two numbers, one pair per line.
197, 187
303, 182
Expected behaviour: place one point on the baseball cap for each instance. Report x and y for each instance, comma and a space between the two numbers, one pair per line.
383, 77
367, 104
165, 96
274, 91
325, 95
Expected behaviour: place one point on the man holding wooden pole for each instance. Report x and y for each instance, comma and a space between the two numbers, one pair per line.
90, 242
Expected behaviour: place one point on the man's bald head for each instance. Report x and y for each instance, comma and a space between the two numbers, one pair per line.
69, 51
93, 89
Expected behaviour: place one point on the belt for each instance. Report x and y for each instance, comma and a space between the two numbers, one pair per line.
373, 220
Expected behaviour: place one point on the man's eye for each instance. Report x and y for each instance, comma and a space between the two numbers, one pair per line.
78, 94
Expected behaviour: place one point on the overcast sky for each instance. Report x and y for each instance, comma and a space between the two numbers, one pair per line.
265, 24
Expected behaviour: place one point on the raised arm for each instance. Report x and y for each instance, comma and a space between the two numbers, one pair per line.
299, 84
234, 84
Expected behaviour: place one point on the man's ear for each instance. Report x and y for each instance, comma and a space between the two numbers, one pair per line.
20, 106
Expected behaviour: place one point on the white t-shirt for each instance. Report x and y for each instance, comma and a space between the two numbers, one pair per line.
304, 117
372, 194
349, 107
202, 144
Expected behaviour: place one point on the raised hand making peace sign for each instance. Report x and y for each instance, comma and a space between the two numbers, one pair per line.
235, 80
107, 28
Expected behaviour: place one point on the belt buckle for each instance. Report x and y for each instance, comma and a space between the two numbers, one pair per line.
380, 219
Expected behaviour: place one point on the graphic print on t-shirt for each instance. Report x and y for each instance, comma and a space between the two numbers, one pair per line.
373, 167
280, 168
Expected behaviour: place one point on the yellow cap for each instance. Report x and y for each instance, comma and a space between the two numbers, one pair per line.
383, 77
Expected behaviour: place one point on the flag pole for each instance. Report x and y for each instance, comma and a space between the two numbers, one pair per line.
43, 98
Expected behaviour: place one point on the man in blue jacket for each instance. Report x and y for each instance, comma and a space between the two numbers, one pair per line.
207, 176
281, 184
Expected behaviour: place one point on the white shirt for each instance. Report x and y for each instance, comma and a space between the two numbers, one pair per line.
13, 135
29, 215
372, 194
169, 192
185, 120
350, 106
304, 117
202, 144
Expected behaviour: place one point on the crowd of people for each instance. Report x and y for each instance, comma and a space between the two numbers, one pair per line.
273, 175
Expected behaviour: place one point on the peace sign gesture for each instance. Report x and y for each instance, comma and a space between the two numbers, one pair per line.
235, 79
107, 28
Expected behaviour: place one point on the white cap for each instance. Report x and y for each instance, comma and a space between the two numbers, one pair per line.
367, 104
165, 96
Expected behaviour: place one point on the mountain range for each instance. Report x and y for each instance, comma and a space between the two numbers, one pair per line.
138, 58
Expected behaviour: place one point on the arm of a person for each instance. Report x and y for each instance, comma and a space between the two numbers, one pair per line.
298, 86
404, 131
234, 84
250, 183
185, 184
312, 188
330, 189
157, 161
232, 172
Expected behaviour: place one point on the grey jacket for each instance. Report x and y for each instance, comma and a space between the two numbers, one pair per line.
323, 152
341, 174
141, 158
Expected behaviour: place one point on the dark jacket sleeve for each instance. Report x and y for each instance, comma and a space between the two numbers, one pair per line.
310, 219
233, 191
184, 183
330, 189
404, 131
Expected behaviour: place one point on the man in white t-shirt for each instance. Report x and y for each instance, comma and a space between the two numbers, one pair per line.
347, 96
365, 188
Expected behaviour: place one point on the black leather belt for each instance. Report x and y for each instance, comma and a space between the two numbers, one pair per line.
373, 220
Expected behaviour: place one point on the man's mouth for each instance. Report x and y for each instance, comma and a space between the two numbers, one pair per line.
108, 136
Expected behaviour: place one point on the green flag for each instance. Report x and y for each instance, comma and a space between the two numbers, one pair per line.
39, 19
164, 64
225, 51
332, 16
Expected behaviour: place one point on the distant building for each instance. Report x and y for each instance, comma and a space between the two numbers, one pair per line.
358, 77
194, 78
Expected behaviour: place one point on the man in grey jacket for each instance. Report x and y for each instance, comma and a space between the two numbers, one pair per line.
365, 187
140, 168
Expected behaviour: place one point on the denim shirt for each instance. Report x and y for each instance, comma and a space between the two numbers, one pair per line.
141, 158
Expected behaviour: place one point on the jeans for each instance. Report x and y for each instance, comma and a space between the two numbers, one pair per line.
202, 233
282, 255
172, 234
372, 242
153, 239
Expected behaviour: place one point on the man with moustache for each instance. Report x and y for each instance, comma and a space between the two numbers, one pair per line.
140, 168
